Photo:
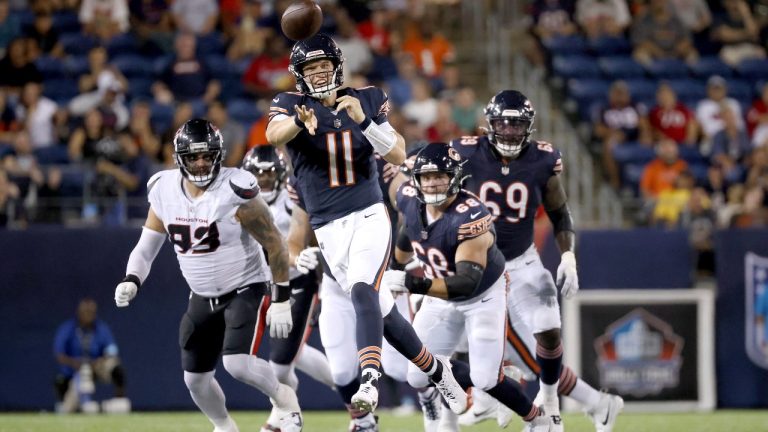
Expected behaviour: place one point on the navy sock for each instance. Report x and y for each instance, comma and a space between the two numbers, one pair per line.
506, 391
401, 335
370, 327
550, 361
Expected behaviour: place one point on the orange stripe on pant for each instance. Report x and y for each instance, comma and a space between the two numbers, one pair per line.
521, 350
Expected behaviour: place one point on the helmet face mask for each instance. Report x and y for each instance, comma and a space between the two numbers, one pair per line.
269, 167
198, 151
510, 117
433, 160
306, 53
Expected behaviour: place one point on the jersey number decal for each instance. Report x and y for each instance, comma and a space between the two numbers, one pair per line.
346, 152
516, 198
181, 236
436, 263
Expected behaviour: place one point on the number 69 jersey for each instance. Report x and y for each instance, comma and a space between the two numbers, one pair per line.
513, 191
215, 253
435, 244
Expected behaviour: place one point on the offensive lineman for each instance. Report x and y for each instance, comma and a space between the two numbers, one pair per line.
218, 224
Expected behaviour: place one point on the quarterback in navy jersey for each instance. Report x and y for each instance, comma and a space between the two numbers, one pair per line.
331, 134
451, 233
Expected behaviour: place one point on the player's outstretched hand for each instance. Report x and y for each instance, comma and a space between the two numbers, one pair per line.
307, 260
124, 293
307, 116
567, 277
395, 281
352, 105
279, 319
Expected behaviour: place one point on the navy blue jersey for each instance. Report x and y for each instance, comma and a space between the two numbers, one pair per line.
335, 169
435, 244
512, 191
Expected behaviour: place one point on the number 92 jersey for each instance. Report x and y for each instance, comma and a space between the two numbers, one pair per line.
513, 191
334, 168
215, 253
464, 219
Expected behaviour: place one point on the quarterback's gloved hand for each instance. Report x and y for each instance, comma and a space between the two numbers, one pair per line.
279, 319
567, 278
395, 281
125, 292
307, 260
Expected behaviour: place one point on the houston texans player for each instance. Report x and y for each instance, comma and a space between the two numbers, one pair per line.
513, 174
451, 233
331, 135
285, 354
218, 225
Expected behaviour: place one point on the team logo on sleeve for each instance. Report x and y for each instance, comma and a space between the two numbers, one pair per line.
639, 354
756, 298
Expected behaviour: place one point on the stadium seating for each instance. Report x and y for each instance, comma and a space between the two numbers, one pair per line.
566, 45
575, 66
621, 67
243, 111
668, 68
753, 69
708, 66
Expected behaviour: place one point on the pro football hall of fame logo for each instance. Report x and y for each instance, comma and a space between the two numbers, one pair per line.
756, 313
639, 355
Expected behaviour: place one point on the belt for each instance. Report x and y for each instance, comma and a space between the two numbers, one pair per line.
264, 286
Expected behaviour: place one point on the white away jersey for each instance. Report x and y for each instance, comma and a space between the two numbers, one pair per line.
281, 210
215, 253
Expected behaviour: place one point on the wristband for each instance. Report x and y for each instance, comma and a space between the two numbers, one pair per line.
132, 278
417, 285
397, 266
281, 291
365, 123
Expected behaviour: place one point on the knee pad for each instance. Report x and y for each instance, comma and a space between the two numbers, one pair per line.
546, 318
483, 379
197, 382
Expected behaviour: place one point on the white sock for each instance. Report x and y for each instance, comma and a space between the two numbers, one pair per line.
208, 396
585, 394
252, 371
481, 401
549, 390
285, 374
313, 362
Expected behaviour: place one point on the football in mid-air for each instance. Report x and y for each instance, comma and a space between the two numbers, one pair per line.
301, 20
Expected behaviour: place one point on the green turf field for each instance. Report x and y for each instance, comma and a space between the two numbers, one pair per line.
721, 421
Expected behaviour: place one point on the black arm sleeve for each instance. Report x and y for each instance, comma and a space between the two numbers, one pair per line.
465, 281
561, 219
403, 242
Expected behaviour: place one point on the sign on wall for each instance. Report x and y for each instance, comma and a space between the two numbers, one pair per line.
653, 347
756, 312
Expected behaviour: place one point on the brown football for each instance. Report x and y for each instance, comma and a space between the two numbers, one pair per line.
301, 20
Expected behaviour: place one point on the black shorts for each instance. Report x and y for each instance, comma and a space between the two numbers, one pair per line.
304, 297
233, 323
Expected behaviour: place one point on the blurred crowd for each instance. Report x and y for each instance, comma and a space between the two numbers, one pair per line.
683, 131
92, 91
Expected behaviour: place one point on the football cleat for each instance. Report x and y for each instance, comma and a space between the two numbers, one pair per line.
483, 408
367, 397
449, 421
291, 422
367, 423
430, 408
449, 388
231, 426
286, 407
273, 422
604, 414
544, 423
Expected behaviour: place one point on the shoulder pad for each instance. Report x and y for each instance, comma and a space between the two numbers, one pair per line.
283, 104
156, 177
473, 216
244, 184
466, 145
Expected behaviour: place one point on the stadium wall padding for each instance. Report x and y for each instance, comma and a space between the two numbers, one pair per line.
45, 271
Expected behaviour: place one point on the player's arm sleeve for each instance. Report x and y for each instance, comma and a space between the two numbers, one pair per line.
142, 256
403, 249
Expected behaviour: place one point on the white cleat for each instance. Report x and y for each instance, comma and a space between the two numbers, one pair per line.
231, 426
454, 395
286, 409
483, 408
544, 423
367, 397
273, 422
604, 414
504, 415
449, 421
367, 423
430, 408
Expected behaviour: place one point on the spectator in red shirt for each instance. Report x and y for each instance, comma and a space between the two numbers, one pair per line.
268, 73
376, 31
671, 118
757, 119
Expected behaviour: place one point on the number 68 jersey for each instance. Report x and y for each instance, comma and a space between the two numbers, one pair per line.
512, 191
435, 244
215, 253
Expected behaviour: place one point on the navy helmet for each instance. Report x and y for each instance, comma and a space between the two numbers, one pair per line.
317, 47
510, 118
270, 168
441, 158
198, 138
